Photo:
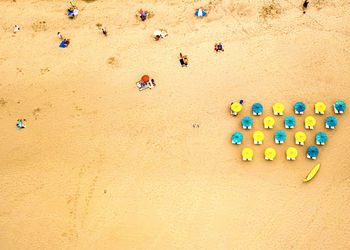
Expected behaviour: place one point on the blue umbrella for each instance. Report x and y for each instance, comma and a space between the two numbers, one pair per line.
321, 137
247, 121
237, 137
257, 108
289, 121
280, 135
331, 121
299, 106
200, 12
340, 105
312, 151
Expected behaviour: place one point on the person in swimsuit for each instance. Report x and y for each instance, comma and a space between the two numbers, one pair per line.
305, 4
104, 31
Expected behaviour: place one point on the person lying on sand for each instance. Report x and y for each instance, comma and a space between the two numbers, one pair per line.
66, 42
104, 31
305, 4
183, 60
16, 29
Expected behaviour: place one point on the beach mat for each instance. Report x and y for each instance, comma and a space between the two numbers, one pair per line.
62, 45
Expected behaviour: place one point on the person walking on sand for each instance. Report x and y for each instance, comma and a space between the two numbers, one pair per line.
305, 4
16, 29
104, 31
59, 35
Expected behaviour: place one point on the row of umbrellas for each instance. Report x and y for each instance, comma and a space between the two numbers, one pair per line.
291, 153
280, 136
289, 121
299, 108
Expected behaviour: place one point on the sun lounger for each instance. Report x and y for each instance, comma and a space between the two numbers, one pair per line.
140, 85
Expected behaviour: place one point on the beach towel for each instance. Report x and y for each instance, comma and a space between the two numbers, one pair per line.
63, 45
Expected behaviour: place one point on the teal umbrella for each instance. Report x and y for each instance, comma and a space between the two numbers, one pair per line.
247, 121
280, 135
340, 105
289, 121
331, 121
299, 106
321, 137
237, 137
312, 151
257, 108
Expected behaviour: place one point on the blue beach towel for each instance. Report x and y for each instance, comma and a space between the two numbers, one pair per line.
63, 45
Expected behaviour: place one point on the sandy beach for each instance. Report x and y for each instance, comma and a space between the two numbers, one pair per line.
102, 165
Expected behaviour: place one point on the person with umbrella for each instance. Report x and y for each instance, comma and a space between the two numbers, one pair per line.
257, 109
291, 153
300, 138
280, 137
321, 138
237, 138
270, 154
331, 122
312, 152
339, 107
320, 108
247, 122
289, 122
299, 108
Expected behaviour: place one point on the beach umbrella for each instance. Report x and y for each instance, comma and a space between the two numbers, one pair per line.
280, 135
278, 107
270, 153
258, 136
200, 12
300, 136
299, 107
269, 121
320, 106
247, 121
321, 137
157, 33
145, 78
236, 107
312, 151
340, 105
331, 121
247, 153
292, 152
257, 108
237, 137
289, 121
310, 121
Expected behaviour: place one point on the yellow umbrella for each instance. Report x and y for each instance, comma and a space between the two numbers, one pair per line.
310, 121
270, 153
247, 153
278, 107
292, 152
258, 136
269, 121
236, 107
320, 107
300, 136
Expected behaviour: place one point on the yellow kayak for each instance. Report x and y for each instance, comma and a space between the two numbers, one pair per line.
312, 173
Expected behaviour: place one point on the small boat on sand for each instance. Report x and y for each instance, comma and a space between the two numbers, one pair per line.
312, 173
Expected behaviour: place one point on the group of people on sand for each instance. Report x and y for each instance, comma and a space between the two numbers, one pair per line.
218, 47
21, 123
143, 15
72, 12
65, 41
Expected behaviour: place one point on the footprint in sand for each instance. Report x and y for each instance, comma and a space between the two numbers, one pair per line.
45, 70
36, 112
2, 102
112, 61
39, 26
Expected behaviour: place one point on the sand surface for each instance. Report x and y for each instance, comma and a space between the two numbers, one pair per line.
104, 166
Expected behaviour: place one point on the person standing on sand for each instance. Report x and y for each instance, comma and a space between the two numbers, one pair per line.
305, 4
16, 29
59, 35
